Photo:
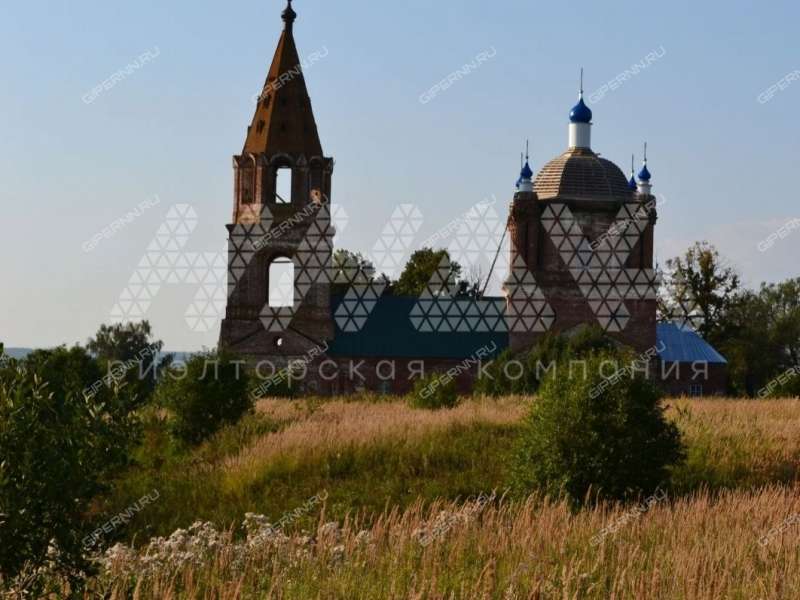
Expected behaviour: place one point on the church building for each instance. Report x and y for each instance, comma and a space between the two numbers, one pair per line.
581, 252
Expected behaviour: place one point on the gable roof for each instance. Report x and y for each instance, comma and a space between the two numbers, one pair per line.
684, 345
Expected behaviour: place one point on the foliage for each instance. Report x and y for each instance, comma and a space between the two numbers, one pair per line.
392, 474
586, 437
762, 336
702, 287
119, 343
204, 398
529, 368
419, 271
58, 450
434, 391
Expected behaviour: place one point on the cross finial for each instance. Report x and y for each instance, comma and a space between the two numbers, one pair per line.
527, 150
645, 153
581, 81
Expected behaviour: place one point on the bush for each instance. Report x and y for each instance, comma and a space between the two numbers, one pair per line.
201, 401
617, 445
58, 451
505, 378
434, 392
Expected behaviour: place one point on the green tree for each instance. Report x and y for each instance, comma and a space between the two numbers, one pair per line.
419, 270
58, 450
762, 335
204, 397
118, 344
700, 286
523, 372
591, 435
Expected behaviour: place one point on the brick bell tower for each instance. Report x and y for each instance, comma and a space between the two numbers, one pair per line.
586, 235
281, 179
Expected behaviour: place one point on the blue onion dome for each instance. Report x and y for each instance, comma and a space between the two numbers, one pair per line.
644, 174
526, 173
580, 113
632, 184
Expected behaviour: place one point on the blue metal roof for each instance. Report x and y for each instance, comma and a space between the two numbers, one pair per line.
684, 345
389, 332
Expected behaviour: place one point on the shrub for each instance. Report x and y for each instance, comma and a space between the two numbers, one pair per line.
202, 400
58, 450
505, 378
615, 445
434, 392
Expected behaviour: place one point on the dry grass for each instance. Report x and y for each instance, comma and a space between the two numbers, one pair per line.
698, 548
698, 544
334, 425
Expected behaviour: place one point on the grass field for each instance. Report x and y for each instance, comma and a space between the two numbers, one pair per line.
378, 500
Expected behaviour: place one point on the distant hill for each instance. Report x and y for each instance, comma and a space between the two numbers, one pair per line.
23, 352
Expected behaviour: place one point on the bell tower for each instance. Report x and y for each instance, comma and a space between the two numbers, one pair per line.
282, 179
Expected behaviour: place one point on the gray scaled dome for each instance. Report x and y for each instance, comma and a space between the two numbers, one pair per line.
581, 174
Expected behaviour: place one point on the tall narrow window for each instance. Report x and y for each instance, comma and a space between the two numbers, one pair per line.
281, 282
283, 186
247, 182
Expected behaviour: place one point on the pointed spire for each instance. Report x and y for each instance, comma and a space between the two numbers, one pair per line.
283, 122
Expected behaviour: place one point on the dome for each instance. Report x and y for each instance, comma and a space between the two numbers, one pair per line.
632, 184
644, 174
580, 113
581, 174
526, 173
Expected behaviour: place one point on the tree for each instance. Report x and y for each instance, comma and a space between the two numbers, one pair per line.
783, 300
762, 335
203, 397
529, 368
419, 271
117, 344
58, 450
700, 287
586, 434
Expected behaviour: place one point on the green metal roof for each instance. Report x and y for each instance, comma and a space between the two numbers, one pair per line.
389, 333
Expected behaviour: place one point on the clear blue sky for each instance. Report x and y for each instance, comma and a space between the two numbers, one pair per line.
725, 162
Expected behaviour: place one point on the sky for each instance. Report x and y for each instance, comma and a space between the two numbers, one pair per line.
716, 100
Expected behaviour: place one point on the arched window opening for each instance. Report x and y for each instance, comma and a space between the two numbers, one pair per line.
281, 283
283, 185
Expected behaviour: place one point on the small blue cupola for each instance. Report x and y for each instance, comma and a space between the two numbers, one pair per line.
645, 188
580, 113
632, 183
525, 181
